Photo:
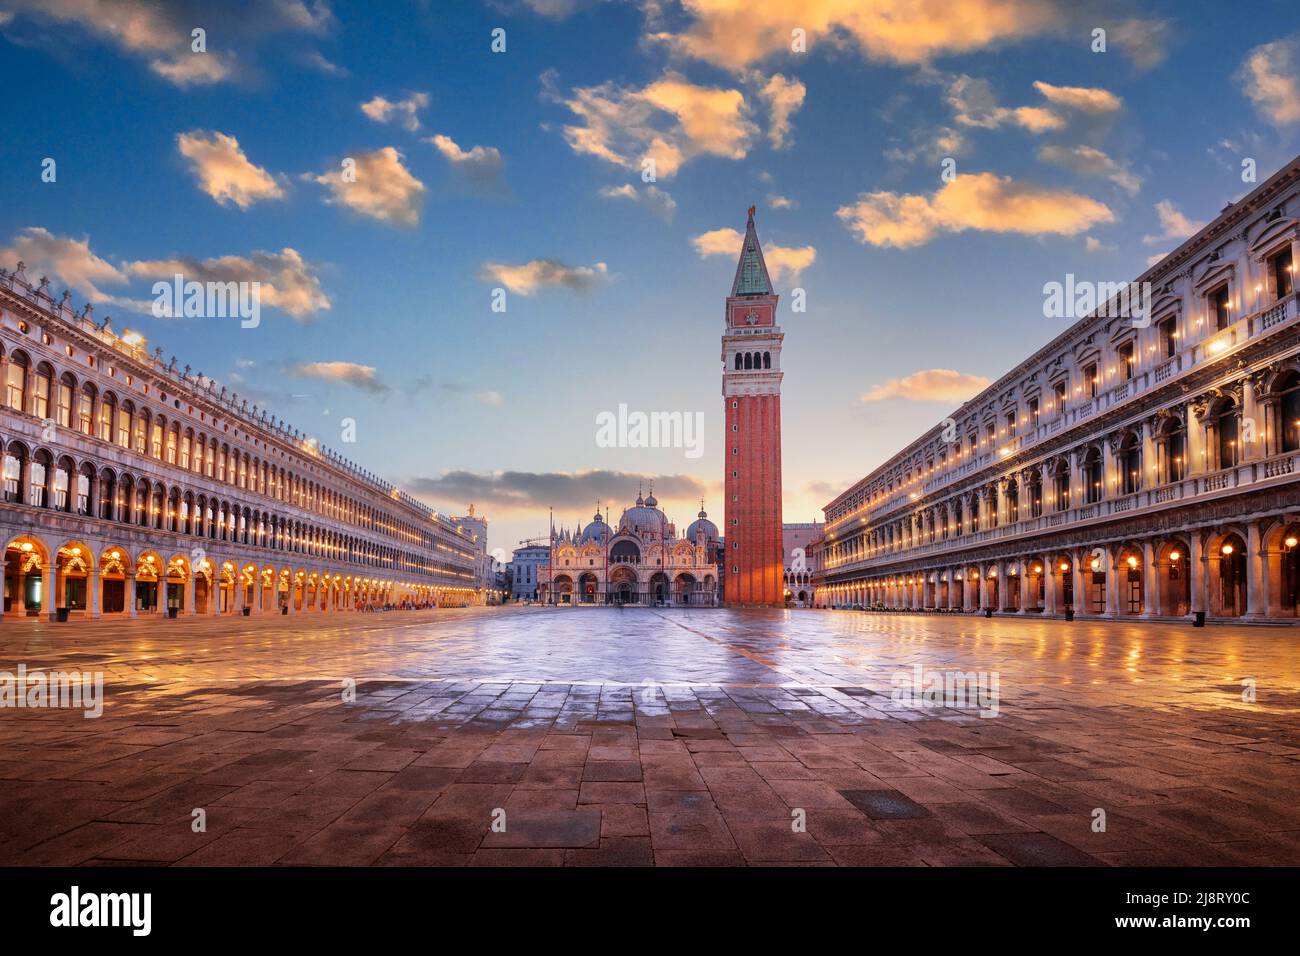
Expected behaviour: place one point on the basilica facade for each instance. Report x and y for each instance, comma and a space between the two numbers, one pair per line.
641, 562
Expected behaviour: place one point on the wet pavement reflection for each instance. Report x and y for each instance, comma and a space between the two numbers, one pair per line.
665, 737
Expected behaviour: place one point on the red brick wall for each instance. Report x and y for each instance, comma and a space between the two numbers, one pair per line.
757, 488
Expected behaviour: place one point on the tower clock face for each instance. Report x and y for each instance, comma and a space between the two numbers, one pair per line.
748, 314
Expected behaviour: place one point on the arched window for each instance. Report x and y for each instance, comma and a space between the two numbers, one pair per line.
107, 409
749, 360
1061, 485
63, 406
125, 418
740, 361
107, 494
767, 360
1092, 476
42, 392
1174, 440
85, 479
1289, 410
38, 494
1130, 464
16, 381
13, 472
86, 409
1229, 446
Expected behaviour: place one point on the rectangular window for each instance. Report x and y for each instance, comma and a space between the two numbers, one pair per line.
1059, 391
1126, 360
1090, 380
155, 441
1011, 424
1219, 308
171, 447
1033, 412
14, 386
1169, 336
83, 413
105, 422
1283, 270
41, 400
64, 416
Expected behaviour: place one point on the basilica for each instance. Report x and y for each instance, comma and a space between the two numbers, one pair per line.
643, 561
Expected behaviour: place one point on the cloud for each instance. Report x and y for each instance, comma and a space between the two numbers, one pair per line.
538, 274
317, 61
224, 172
652, 197
383, 188
288, 281
363, 377
1152, 260
1144, 42
530, 490
784, 98
1173, 224
1270, 79
670, 122
930, 146
930, 385
69, 260
160, 33
1085, 99
974, 104
734, 34
780, 202
480, 166
383, 110
980, 201
1091, 244
782, 261
1088, 161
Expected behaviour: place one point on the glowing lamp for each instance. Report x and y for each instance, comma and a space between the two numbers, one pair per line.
1227, 549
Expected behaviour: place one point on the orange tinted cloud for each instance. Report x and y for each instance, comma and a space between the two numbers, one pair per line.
930, 385
737, 33
980, 201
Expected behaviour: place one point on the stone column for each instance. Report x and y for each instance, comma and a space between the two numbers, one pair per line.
1113, 571
1053, 573
93, 585
1197, 461
1252, 422
1150, 581
1026, 587
190, 609
1256, 574
1196, 568
1076, 582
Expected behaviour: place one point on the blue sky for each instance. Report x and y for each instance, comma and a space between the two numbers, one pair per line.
522, 170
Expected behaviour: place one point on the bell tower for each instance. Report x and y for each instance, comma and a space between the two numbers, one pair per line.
751, 391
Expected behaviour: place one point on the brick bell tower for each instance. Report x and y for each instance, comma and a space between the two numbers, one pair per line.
751, 391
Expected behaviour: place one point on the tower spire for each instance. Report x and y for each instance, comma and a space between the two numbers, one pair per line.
751, 270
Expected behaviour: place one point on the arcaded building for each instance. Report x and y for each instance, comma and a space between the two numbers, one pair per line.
1130, 468
133, 488
642, 561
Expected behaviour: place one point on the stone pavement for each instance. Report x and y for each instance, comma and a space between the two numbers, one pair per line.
639, 737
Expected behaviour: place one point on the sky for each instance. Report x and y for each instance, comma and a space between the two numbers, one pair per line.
480, 225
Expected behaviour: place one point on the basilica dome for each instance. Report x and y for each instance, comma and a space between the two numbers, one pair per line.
644, 516
597, 531
702, 523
